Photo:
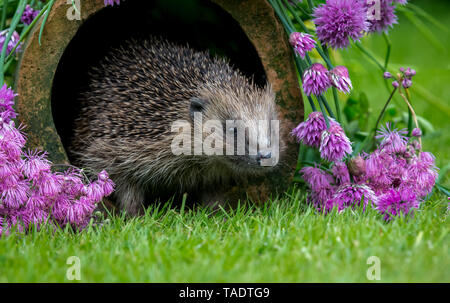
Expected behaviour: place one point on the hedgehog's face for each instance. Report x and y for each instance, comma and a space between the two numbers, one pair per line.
241, 130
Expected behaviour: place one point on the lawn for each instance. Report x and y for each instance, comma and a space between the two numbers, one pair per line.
283, 240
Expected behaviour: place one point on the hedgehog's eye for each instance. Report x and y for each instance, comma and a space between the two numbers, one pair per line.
197, 105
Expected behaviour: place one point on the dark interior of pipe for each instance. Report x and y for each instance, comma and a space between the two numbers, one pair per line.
201, 24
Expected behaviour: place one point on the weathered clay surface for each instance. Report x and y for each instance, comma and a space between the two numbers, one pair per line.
38, 65
35, 73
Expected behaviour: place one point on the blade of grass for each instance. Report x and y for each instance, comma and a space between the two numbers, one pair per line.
12, 28
47, 13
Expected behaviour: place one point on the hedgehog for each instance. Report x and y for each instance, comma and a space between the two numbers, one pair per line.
136, 95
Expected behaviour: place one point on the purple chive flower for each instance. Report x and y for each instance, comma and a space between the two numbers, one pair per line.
14, 195
386, 18
30, 193
409, 73
316, 178
316, 80
416, 132
395, 177
111, 2
321, 184
351, 195
415, 145
394, 203
392, 139
406, 83
340, 79
338, 21
302, 43
35, 165
387, 75
340, 173
421, 174
29, 14
106, 183
395, 84
334, 144
382, 171
7, 96
12, 42
310, 131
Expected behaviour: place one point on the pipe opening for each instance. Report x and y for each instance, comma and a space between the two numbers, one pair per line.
199, 23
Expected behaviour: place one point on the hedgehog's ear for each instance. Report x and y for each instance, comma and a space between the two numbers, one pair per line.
197, 105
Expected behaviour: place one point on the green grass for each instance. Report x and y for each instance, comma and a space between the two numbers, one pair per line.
284, 241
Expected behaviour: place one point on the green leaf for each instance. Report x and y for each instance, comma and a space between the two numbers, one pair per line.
428, 97
443, 189
443, 171
424, 30
420, 12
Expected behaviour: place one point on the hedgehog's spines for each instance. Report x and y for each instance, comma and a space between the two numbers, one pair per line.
134, 96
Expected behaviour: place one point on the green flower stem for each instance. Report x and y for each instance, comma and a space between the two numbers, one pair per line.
4, 11
310, 5
302, 9
308, 59
6, 66
286, 25
384, 109
370, 56
47, 13
26, 31
410, 123
285, 14
330, 112
296, 17
299, 64
372, 133
388, 51
12, 28
412, 113
311, 102
323, 112
335, 95
336, 104
306, 30
281, 12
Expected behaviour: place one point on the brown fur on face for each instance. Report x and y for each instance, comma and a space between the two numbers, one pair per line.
136, 94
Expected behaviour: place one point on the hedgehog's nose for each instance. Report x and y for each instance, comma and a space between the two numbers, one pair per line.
263, 155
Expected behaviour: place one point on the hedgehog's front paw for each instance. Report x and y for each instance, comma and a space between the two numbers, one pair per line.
213, 200
130, 199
